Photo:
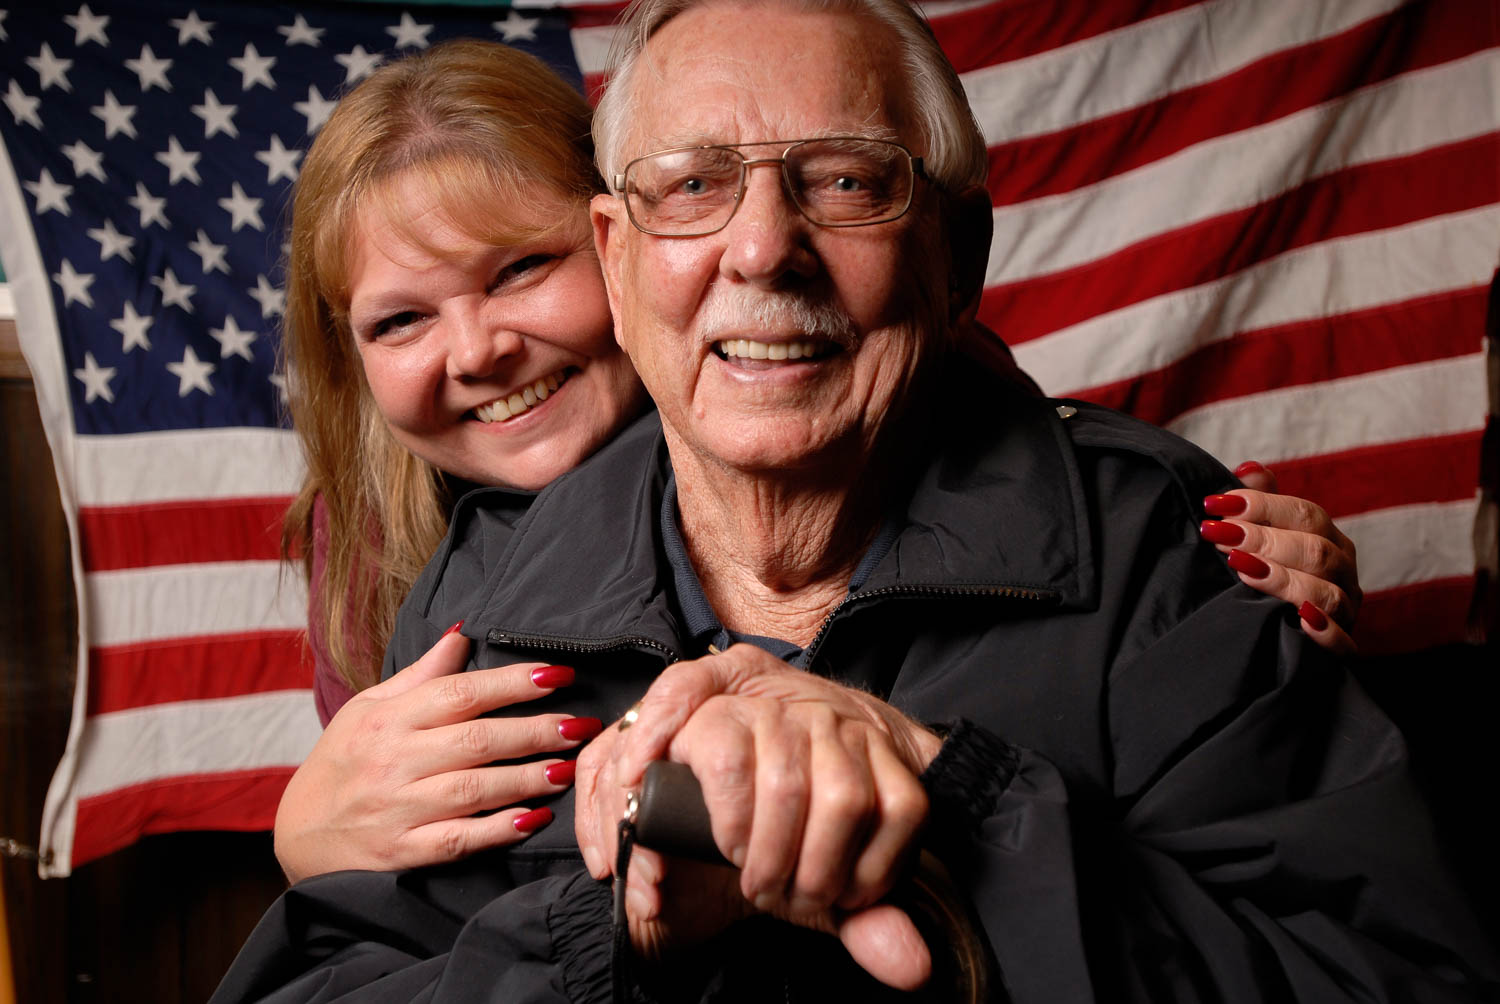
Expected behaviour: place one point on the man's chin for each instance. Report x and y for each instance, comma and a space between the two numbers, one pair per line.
764, 447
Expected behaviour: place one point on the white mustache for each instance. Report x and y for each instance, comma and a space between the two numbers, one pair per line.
737, 312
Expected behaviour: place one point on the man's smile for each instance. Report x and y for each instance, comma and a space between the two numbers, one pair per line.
742, 350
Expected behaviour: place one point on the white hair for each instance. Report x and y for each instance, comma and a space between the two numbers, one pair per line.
955, 150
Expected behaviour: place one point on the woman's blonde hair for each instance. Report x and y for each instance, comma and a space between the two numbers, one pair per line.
477, 125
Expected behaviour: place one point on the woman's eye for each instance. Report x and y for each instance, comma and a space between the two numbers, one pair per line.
521, 266
394, 323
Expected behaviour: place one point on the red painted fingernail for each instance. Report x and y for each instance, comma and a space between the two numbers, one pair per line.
1249, 467
1216, 532
552, 677
1224, 505
529, 822
561, 773
453, 629
579, 728
1249, 564
1315, 618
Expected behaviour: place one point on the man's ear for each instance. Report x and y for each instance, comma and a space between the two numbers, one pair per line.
971, 222
607, 214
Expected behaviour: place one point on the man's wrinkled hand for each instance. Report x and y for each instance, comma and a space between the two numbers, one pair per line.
812, 791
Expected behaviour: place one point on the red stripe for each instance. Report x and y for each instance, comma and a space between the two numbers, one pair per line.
1439, 469
1415, 617
177, 533
236, 800
201, 668
595, 15
1355, 200
1001, 32
593, 87
1311, 351
1410, 38
600, 16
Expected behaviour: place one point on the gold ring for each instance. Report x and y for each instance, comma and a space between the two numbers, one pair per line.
630, 716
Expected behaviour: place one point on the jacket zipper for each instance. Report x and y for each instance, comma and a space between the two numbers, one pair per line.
999, 592
496, 636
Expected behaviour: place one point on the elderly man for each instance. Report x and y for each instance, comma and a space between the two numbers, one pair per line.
885, 603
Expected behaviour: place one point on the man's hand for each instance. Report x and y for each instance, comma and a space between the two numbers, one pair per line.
811, 788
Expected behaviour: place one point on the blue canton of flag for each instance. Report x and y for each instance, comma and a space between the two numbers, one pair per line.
157, 144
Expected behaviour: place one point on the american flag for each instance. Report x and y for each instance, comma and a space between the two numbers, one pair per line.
148, 153
1269, 225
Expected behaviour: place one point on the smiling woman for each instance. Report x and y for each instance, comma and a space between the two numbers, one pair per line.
431, 348
411, 318
494, 361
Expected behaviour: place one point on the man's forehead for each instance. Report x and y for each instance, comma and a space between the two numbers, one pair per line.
710, 136
730, 71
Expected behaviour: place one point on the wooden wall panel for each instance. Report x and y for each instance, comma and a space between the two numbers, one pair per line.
12, 366
37, 618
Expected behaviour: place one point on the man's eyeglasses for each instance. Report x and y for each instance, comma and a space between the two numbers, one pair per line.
840, 181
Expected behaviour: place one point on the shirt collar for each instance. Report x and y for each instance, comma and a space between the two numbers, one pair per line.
701, 624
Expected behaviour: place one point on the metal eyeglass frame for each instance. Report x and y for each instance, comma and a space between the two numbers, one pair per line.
746, 163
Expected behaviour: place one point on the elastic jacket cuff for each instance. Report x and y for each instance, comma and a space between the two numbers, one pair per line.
965, 780
580, 921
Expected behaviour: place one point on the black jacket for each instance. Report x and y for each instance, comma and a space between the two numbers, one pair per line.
1159, 790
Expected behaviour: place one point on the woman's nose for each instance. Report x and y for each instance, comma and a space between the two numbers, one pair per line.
477, 344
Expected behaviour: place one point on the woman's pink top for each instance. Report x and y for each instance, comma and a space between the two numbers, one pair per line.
329, 689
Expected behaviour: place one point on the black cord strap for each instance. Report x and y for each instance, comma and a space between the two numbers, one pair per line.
620, 952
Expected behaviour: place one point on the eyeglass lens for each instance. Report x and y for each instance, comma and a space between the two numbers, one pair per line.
834, 182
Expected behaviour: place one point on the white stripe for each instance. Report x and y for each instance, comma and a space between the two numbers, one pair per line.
187, 464
1389, 406
1413, 543
1435, 255
1417, 111
7, 303
591, 47
176, 601
123, 748
1121, 69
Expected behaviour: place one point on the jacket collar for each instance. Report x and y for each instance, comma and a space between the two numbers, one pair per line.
1000, 503
999, 506
583, 562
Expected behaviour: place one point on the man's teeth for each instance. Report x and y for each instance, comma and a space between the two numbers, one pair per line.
746, 349
522, 400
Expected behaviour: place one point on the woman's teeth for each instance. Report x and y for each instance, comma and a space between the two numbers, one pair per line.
746, 349
522, 400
